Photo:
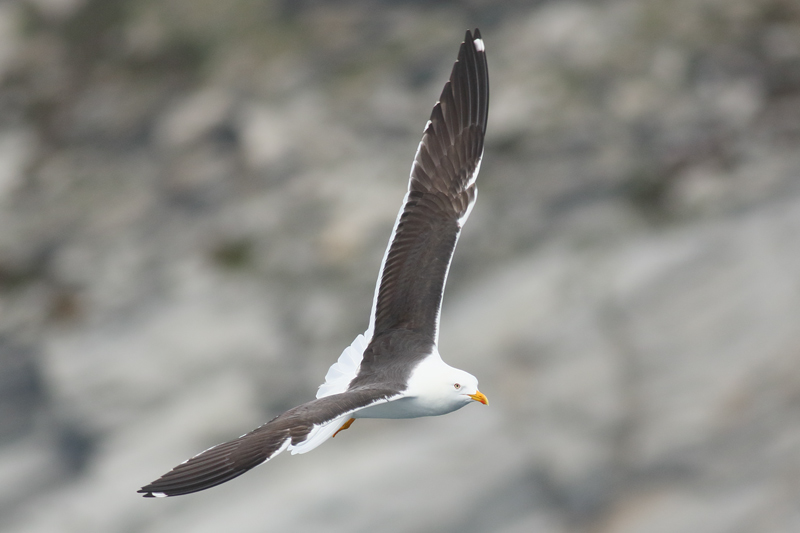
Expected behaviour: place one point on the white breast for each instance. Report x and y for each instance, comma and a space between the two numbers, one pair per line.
428, 393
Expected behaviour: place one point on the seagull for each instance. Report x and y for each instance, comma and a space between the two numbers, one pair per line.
394, 369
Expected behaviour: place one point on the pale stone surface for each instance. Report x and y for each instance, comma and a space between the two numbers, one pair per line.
194, 200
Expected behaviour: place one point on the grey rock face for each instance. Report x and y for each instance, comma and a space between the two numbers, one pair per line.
194, 201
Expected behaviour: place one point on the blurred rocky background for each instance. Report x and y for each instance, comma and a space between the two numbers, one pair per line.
195, 197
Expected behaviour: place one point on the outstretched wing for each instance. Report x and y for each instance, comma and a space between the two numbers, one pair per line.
294, 430
441, 193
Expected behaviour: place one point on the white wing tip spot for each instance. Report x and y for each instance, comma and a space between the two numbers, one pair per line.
159, 494
479, 47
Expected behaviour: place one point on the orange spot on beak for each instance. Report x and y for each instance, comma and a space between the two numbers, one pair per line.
479, 397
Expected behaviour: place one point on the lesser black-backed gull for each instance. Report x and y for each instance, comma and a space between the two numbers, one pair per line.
394, 369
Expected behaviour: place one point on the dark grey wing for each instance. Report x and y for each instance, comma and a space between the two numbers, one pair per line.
232, 459
440, 195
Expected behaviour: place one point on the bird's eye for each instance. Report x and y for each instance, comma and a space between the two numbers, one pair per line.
457, 386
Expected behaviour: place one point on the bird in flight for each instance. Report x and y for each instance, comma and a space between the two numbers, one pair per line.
394, 369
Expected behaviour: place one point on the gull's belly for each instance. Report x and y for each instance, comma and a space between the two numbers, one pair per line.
412, 407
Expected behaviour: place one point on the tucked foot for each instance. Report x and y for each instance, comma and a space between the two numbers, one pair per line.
344, 426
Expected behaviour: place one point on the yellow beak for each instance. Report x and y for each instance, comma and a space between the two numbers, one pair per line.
479, 397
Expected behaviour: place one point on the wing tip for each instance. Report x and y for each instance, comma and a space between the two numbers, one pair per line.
151, 494
476, 39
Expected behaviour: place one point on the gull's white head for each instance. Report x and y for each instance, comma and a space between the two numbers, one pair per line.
464, 388
441, 388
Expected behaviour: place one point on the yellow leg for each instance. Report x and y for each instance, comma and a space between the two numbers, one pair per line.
344, 426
